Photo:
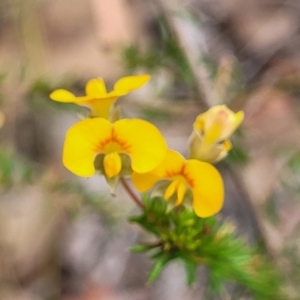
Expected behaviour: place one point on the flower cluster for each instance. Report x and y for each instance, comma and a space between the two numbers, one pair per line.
113, 147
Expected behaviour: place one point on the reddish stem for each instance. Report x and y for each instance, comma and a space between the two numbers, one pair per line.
133, 196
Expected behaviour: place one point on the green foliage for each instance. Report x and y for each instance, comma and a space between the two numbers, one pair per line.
38, 94
237, 155
210, 65
165, 54
290, 178
271, 210
7, 165
153, 114
101, 204
2, 77
13, 169
196, 241
294, 162
292, 275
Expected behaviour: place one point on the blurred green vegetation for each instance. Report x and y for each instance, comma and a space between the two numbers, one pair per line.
154, 114
38, 93
13, 169
97, 202
291, 177
16, 172
163, 54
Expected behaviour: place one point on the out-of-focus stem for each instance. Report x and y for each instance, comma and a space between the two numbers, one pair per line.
30, 31
131, 193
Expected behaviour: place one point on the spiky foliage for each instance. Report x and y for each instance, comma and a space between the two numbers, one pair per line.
181, 235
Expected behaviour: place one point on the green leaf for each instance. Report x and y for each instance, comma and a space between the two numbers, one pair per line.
7, 166
158, 267
191, 271
139, 248
294, 162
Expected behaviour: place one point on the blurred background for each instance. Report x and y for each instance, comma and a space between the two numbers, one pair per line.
62, 237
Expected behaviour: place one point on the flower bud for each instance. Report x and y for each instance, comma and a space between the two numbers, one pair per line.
209, 140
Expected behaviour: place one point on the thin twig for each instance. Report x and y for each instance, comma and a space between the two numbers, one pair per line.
193, 47
133, 196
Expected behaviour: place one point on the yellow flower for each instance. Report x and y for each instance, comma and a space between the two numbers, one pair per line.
212, 130
97, 98
2, 119
114, 149
190, 181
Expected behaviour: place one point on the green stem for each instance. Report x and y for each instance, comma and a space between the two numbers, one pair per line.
133, 196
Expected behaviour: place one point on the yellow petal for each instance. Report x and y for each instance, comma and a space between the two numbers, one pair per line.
180, 193
101, 107
144, 182
2, 119
82, 145
201, 150
171, 189
171, 165
230, 122
146, 145
199, 123
218, 123
239, 117
96, 88
207, 187
112, 164
213, 134
62, 96
227, 145
130, 83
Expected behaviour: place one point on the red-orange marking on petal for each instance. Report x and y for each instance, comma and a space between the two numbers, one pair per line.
189, 180
114, 139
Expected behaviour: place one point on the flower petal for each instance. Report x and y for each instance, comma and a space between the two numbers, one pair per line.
180, 193
96, 88
170, 190
144, 182
2, 119
101, 107
171, 165
199, 122
218, 123
130, 83
146, 145
239, 117
62, 96
82, 145
213, 134
112, 164
207, 188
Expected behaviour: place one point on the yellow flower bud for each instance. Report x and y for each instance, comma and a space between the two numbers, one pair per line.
210, 139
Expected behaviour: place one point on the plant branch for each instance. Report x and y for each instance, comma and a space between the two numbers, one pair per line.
131, 193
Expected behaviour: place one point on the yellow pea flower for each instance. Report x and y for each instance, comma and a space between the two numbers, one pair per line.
189, 181
113, 149
2, 119
212, 130
97, 98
